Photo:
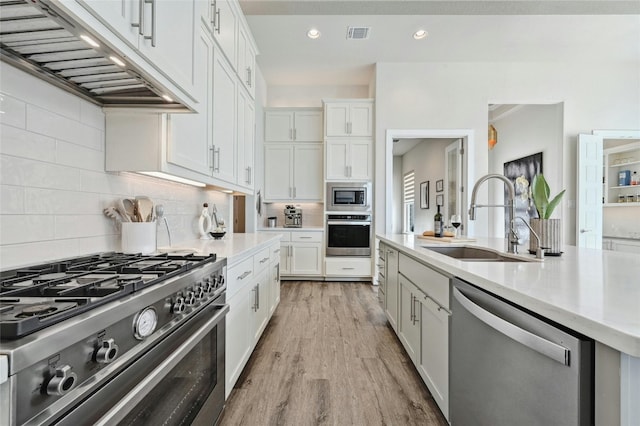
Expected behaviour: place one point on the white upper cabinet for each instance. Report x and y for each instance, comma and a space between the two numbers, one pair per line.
246, 61
190, 142
348, 118
162, 31
223, 22
349, 159
289, 125
224, 119
246, 140
293, 172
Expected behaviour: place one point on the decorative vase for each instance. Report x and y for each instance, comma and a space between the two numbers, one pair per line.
550, 233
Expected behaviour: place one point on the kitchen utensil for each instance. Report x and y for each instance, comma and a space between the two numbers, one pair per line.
160, 214
145, 207
113, 213
128, 206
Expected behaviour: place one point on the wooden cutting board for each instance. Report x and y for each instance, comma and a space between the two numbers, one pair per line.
447, 239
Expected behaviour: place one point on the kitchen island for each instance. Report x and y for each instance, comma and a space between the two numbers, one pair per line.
593, 292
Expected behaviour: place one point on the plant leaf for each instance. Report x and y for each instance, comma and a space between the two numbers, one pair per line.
553, 204
540, 194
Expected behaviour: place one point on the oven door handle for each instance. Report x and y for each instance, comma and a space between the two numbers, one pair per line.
144, 387
331, 222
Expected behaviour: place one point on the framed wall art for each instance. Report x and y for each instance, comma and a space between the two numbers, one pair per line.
424, 195
440, 200
440, 185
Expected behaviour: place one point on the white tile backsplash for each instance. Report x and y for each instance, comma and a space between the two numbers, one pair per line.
51, 124
12, 111
53, 186
22, 143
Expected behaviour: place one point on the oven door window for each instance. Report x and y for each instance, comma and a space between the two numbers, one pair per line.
177, 399
348, 236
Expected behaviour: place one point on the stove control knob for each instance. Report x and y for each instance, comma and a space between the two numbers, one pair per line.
178, 306
220, 280
210, 286
199, 291
107, 352
190, 300
62, 382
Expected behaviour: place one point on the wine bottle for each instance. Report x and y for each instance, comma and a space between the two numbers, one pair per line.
437, 224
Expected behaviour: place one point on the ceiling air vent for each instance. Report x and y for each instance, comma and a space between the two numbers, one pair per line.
358, 33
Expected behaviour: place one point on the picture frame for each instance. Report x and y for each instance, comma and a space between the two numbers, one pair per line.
424, 195
440, 200
440, 185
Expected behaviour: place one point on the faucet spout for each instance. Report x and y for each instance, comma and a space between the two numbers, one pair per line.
539, 249
512, 245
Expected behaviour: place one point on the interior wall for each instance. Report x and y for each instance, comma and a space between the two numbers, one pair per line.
396, 211
53, 186
457, 95
527, 130
427, 160
311, 96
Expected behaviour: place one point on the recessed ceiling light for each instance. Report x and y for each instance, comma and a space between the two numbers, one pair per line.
167, 98
420, 34
313, 33
117, 60
89, 40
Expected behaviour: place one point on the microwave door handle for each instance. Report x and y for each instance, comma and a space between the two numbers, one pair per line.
331, 222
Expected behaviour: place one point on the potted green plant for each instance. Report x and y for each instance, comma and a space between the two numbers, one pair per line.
549, 230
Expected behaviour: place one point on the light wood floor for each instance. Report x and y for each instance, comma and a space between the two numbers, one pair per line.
329, 357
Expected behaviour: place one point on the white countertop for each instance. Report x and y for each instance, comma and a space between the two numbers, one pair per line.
594, 292
232, 246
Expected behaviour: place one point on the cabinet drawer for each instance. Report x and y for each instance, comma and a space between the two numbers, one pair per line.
434, 284
306, 237
274, 252
239, 275
261, 260
348, 267
285, 235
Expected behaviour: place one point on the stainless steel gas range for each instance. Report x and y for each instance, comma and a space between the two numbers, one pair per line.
113, 338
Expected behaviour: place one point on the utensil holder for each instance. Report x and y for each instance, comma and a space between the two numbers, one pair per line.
138, 237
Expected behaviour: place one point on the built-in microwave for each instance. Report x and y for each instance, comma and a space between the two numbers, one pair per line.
348, 196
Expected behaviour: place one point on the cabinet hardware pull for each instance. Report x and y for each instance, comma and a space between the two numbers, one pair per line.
219, 20
216, 155
250, 175
277, 251
152, 37
244, 275
211, 151
258, 296
295, 134
214, 5
140, 24
264, 260
303, 237
294, 192
348, 269
249, 76
291, 134
440, 307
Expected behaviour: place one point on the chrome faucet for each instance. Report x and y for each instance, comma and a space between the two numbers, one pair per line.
539, 249
513, 238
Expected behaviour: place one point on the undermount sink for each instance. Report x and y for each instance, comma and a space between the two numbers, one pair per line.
477, 254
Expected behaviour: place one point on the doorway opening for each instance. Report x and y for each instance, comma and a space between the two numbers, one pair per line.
239, 215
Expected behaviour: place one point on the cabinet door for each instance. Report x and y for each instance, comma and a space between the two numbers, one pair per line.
306, 259
119, 15
224, 119
409, 318
278, 172
285, 259
308, 126
434, 351
190, 134
245, 140
360, 119
337, 119
238, 335
307, 178
274, 291
391, 269
278, 126
170, 32
225, 24
259, 305
361, 160
245, 60
337, 152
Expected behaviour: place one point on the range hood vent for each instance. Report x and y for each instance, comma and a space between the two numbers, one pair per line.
37, 38
358, 33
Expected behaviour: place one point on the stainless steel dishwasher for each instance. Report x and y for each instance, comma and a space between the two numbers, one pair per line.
511, 367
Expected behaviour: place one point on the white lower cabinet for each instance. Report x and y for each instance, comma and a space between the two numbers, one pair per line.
251, 303
301, 253
347, 267
421, 297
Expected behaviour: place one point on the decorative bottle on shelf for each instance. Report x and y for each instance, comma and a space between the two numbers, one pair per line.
634, 179
437, 224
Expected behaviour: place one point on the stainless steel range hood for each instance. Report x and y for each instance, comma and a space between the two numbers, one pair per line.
39, 39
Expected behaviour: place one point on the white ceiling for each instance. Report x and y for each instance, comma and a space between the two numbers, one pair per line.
459, 31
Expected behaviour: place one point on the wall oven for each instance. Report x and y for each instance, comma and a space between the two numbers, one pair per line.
348, 196
114, 339
348, 235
